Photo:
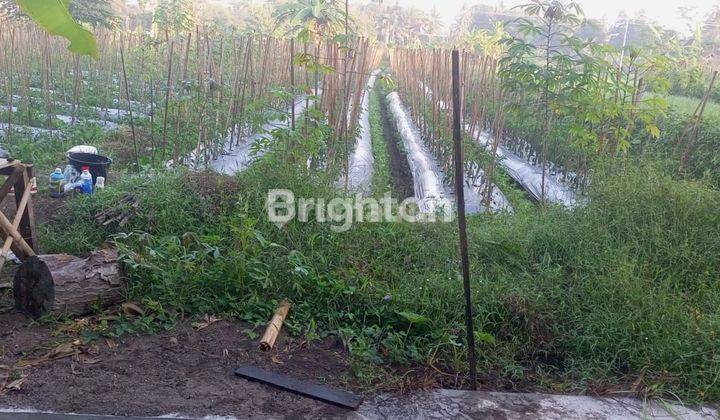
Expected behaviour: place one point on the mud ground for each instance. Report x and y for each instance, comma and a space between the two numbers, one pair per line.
182, 371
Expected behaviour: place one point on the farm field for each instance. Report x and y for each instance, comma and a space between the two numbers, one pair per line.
304, 153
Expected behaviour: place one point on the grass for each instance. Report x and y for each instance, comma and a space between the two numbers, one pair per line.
703, 161
624, 290
382, 178
684, 105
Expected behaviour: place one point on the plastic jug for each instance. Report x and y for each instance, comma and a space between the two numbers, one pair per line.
57, 179
87, 181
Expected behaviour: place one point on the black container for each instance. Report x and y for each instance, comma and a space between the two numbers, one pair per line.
98, 164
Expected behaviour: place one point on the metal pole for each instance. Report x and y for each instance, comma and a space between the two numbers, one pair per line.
462, 224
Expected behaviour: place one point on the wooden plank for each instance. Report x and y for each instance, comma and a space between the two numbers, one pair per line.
27, 223
12, 178
13, 245
16, 223
8, 168
8, 229
15, 177
306, 388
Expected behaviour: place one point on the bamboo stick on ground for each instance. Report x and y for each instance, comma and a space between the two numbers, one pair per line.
273, 329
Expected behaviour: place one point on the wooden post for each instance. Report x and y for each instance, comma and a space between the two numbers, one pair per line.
462, 223
27, 222
18, 235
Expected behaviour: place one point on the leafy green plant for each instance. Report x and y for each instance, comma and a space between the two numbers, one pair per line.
175, 15
54, 16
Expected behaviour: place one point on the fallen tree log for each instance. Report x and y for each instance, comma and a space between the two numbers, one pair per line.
63, 284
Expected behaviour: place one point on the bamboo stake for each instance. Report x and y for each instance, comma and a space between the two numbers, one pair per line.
129, 104
273, 329
168, 90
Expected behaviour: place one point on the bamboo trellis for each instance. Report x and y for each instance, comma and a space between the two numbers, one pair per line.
191, 91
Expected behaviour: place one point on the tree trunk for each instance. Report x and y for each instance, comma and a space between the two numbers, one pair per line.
68, 285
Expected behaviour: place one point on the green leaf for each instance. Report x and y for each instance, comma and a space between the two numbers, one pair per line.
654, 131
414, 318
483, 337
54, 17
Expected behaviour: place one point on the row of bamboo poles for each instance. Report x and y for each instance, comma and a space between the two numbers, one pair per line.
345, 88
200, 91
424, 82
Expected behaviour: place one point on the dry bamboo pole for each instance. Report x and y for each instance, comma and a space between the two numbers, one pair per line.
129, 105
263, 71
168, 92
234, 96
200, 68
25, 84
187, 57
307, 99
318, 103
11, 90
246, 80
273, 329
76, 89
697, 118
362, 70
46, 84
498, 128
292, 84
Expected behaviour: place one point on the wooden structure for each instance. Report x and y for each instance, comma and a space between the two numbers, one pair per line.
18, 235
59, 284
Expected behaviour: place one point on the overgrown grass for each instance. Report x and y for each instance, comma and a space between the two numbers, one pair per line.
47, 152
703, 160
382, 178
623, 291
685, 105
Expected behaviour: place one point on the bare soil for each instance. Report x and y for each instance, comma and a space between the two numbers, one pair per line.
182, 371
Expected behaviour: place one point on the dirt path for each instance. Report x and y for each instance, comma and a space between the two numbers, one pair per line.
399, 166
181, 371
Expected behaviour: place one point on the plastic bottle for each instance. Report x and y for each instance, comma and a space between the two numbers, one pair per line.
100, 182
87, 181
57, 179
71, 174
